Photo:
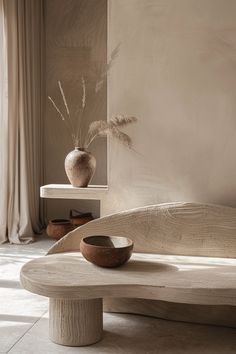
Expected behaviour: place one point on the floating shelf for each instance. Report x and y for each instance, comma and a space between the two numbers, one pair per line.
67, 191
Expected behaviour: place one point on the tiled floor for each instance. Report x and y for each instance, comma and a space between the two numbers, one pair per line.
24, 321
19, 309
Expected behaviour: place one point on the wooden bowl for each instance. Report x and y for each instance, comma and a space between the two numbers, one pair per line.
106, 251
77, 218
57, 228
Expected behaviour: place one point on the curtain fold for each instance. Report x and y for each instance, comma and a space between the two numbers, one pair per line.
3, 127
23, 163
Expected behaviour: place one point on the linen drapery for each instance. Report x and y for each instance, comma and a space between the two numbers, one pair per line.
21, 119
3, 126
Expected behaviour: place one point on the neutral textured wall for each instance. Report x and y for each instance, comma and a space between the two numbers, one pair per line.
176, 71
76, 45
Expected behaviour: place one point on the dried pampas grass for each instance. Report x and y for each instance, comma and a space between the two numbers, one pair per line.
121, 120
101, 128
123, 138
98, 128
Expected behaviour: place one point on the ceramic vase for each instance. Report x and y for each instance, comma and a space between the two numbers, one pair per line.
57, 228
80, 166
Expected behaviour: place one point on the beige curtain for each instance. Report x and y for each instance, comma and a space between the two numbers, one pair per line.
21, 164
3, 126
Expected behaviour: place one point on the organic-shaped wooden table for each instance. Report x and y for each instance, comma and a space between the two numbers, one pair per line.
76, 288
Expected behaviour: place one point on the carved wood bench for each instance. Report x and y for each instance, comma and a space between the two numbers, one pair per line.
172, 274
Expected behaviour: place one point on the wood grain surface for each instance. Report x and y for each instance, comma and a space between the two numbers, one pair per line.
219, 315
75, 322
190, 229
192, 280
174, 228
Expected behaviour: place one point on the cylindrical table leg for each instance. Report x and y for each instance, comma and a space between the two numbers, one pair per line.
75, 322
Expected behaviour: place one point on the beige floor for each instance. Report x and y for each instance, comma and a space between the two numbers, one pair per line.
24, 322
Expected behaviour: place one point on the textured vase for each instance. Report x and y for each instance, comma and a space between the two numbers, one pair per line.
80, 166
57, 228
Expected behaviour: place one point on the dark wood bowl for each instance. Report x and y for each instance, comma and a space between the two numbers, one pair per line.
106, 251
57, 228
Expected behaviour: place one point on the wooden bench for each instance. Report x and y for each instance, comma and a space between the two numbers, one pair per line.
183, 268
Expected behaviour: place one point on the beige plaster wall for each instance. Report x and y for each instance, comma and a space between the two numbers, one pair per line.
176, 71
76, 45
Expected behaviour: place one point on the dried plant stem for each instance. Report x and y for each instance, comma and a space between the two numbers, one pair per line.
98, 128
56, 108
67, 111
75, 126
84, 93
92, 139
62, 118
64, 98
78, 136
